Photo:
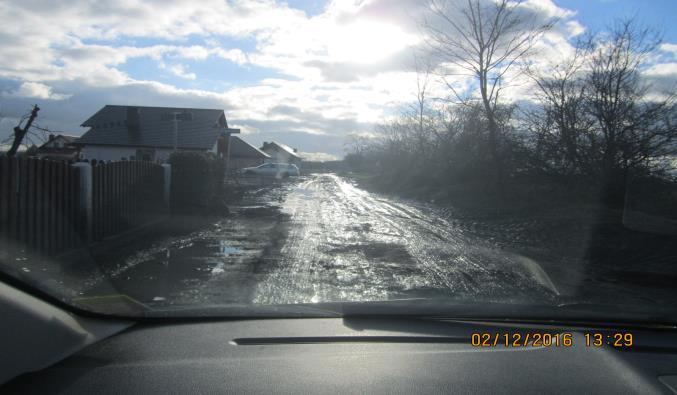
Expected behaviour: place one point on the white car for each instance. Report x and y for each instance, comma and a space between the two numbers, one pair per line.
279, 170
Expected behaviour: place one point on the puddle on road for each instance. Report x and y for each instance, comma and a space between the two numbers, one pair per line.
178, 270
227, 249
219, 268
219, 264
304, 193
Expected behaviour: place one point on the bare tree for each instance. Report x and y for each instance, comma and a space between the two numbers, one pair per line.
20, 133
356, 144
632, 127
421, 111
485, 40
561, 124
423, 70
599, 116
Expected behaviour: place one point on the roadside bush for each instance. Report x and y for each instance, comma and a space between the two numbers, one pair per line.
197, 182
652, 195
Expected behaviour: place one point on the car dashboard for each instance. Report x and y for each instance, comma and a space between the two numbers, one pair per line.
357, 355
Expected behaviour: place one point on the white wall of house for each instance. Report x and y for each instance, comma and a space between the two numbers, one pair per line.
163, 154
276, 157
280, 156
56, 142
114, 153
106, 152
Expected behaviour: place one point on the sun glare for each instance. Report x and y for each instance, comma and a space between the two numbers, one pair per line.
367, 42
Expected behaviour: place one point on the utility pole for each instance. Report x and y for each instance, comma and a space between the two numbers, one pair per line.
20, 133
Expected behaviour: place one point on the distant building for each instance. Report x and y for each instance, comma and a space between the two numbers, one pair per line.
280, 153
242, 154
60, 146
148, 133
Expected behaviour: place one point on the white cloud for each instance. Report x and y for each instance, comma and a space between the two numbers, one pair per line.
670, 48
244, 129
574, 28
662, 70
234, 55
546, 8
341, 71
178, 70
36, 90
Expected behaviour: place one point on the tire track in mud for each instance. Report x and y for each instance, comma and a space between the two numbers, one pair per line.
346, 244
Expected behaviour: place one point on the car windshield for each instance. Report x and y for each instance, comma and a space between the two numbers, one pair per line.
460, 158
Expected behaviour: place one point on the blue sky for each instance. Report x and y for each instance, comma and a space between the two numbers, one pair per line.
596, 14
308, 73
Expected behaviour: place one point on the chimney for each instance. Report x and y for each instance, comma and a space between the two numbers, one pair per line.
133, 119
296, 150
51, 137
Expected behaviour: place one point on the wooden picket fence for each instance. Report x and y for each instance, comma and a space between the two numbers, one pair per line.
39, 205
125, 195
41, 211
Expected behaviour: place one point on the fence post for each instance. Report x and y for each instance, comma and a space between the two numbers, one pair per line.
167, 169
85, 209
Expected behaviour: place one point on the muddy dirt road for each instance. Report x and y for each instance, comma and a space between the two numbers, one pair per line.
319, 238
347, 244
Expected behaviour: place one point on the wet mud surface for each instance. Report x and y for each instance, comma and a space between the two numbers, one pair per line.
320, 238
